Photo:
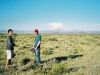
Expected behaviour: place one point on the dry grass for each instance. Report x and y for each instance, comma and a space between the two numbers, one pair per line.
61, 54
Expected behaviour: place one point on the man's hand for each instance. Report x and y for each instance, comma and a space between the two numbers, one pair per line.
33, 49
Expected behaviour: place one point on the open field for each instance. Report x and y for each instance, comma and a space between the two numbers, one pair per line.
61, 54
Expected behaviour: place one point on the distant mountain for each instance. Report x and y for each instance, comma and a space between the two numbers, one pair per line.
3, 31
73, 31
55, 31
16, 31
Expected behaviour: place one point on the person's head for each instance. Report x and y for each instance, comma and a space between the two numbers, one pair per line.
10, 32
36, 31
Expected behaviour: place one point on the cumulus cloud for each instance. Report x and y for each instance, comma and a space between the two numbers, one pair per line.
56, 25
82, 27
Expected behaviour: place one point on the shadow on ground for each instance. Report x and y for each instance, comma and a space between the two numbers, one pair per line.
55, 59
62, 58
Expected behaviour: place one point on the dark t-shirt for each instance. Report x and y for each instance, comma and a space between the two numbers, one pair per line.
9, 43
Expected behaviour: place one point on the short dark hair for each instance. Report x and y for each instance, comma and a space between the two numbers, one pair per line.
36, 30
10, 30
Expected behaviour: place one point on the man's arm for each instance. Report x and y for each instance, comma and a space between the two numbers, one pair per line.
9, 42
38, 45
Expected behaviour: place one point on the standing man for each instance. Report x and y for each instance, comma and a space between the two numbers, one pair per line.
36, 46
9, 48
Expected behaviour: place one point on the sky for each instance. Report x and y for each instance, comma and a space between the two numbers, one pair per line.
45, 15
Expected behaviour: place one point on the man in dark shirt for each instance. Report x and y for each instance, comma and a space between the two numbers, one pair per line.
9, 48
36, 46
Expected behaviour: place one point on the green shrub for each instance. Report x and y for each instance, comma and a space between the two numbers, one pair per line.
47, 52
52, 39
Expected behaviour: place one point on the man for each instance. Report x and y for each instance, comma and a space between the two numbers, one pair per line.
9, 48
36, 46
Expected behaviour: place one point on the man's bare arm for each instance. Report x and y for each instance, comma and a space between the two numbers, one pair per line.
38, 44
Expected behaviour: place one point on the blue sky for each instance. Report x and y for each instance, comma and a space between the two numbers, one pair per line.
50, 14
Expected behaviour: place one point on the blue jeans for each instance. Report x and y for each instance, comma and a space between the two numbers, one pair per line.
37, 56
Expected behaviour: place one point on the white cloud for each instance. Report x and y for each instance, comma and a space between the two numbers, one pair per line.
55, 25
58, 26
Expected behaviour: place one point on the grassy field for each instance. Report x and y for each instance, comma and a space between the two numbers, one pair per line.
61, 54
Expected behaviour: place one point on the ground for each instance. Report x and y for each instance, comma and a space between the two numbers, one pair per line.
61, 54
